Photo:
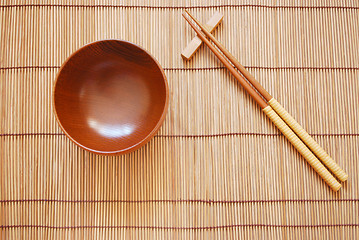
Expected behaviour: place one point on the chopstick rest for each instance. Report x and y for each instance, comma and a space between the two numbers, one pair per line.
196, 42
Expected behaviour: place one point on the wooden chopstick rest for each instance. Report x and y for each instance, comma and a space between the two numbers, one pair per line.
196, 42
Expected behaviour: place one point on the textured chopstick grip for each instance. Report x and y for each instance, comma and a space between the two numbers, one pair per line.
309, 141
302, 149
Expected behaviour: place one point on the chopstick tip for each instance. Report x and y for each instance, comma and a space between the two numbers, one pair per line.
185, 16
193, 18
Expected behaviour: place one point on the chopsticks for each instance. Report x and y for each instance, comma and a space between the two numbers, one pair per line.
296, 135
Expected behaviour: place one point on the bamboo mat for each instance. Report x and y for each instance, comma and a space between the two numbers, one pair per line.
217, 168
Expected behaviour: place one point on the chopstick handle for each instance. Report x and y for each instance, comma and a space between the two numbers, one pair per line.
309, 141
302, 149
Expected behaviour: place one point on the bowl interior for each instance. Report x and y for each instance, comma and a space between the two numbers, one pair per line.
110, 96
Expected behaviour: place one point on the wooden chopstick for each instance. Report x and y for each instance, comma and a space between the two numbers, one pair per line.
296, 127
282, 126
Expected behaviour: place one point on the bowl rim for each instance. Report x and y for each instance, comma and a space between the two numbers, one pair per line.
144, 140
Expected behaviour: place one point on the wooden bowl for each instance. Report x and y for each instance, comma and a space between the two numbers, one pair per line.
110, 97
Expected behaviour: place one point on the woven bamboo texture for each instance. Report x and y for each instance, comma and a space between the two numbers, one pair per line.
218, 168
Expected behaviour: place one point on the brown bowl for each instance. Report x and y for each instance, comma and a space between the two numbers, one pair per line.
110, 97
